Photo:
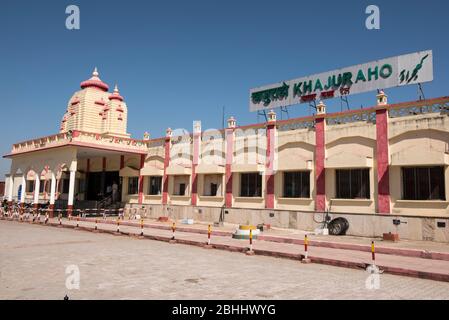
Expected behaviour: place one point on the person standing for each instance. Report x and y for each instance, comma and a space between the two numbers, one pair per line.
114, 192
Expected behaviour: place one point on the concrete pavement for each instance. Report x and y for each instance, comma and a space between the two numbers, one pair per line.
34, 260
390, 262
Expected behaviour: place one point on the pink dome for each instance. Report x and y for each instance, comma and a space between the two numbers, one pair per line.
95, 82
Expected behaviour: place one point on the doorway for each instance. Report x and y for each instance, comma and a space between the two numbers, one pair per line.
104, 184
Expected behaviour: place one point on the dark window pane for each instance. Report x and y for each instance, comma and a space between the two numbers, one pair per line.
356, 184
182, 189
305, 184
437, 188
155, 185
213, 189
352, 184
423, 183
250, 185
296, 184
343, 184
30, 186
133, 185
65, 185
408, 184
41, 186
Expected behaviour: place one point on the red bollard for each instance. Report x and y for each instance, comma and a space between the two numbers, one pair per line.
118, 225
77, 222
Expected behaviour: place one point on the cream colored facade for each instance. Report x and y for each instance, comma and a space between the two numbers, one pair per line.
208, 166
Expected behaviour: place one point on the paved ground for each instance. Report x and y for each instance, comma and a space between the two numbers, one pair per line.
33, 261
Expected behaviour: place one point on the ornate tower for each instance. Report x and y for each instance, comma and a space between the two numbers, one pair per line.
93, 109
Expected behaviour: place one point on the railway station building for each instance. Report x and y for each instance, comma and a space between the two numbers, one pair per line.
384, 168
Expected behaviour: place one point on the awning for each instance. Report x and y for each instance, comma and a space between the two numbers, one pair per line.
178, 170
301, 164
151, 171
129, 172
247, 168
419, 157
209, 169
348, 160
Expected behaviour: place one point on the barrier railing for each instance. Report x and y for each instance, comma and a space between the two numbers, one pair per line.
364, 115
440, 105
18, 212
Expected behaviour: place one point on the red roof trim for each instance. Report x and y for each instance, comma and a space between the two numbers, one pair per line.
94, 83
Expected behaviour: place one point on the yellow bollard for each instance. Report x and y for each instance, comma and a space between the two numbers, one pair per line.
306, 252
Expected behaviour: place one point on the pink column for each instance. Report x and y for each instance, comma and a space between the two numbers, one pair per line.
196, 149
383, 181
320, 173
269, 172
142, 163
229, 135
166, 163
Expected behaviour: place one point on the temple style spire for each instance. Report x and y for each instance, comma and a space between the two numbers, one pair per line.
116, 94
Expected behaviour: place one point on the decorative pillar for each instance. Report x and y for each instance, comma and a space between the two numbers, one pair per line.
166, 164
383, 179
142, 163
196, 153
37, 185
320, 171
269, 164
229, 135
10, 190
71, 195
52, 194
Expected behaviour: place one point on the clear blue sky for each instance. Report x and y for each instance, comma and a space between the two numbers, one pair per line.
179, 61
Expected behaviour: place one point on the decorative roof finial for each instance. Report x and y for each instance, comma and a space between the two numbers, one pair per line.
231, 122
115, 95
95, 81
382, 98
321, 108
